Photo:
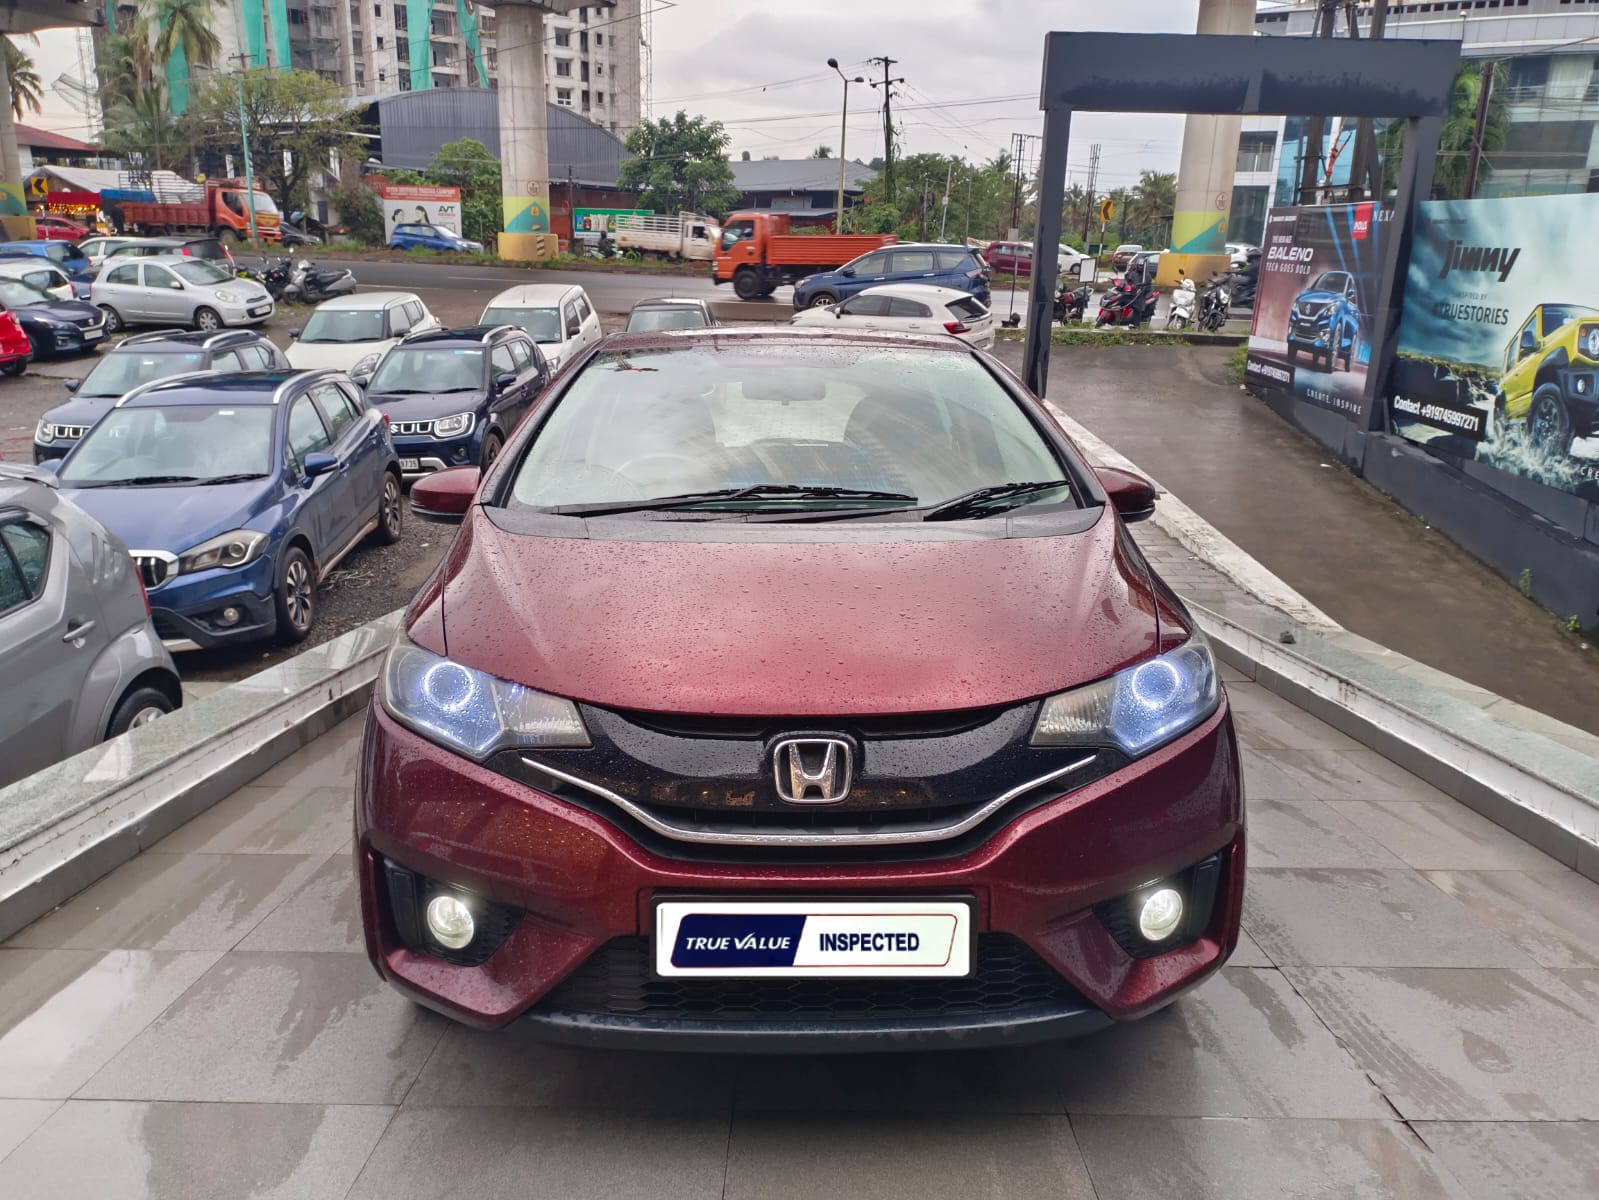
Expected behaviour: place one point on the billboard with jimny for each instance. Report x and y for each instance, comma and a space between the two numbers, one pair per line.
1498, 358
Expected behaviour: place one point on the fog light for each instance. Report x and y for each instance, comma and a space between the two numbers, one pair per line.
450, 922
460, 454
1158, 917
230, 616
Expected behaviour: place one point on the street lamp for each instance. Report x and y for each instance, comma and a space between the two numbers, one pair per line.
843, 131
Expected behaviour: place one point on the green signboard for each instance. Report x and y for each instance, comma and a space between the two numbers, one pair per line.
594, 220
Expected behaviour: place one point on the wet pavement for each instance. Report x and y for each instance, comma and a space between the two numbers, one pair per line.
1410, 1014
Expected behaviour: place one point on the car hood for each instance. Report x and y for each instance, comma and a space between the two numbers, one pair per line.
341, 355
426, 406
938, 621
1316, 298
172, 518
62, 310
80, 410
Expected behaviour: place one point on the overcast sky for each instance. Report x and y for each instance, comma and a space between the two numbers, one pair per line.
971, 70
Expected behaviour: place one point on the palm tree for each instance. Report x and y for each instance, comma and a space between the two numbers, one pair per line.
126, 66
184, 25
26, 90
144, 130
1455, 140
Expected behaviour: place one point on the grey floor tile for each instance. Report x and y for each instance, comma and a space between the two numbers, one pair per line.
1446, 836
1367, 919
194, 1152
1021, 1080
325, 914
1521, 1160
279, 1028
327, 762
1583, 982
1309, 833
173, 902
1241, 1045
1265, 778
506, 1069
919, 1158
1153, 1158
65, 1013
19, 1118
537, 1154
1552, 916
1351, 774
1280, 726
268, 820
1465, 1045
1248, 953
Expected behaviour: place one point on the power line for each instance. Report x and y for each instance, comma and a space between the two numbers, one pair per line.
888, 122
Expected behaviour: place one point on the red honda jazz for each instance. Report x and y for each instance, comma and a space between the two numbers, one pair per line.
796, 690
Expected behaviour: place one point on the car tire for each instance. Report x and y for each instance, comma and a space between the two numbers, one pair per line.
14, 368
113, 319
1549, 421
229, 234
295, 597
207, 319
1501, 416
821, 299
746, 283
139, 707
391, 511
492, 444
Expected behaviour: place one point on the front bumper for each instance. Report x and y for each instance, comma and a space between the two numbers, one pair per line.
187, 610
584, 888
242, 314
432, 454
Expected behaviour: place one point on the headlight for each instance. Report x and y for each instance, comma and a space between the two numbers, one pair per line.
366, 366
227, 297
452, 426
225, 550
1137, 709
470, 712
46, 432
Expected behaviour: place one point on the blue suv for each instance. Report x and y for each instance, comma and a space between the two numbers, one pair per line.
943, 266
1324, 320
420, 235
237, 495
453, 396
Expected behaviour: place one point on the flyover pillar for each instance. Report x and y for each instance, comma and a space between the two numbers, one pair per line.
1205, 171
524, 130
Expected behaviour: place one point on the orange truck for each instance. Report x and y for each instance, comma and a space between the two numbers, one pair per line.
758, 254
222, 210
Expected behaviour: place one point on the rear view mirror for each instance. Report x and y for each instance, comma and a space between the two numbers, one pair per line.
175, 286
445, 495
1131, 495
504, 380
319, 462
847, 272
294, 335
72, 385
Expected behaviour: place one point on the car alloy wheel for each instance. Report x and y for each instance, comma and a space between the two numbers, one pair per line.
206, 320
296, 597
1549, 424
390, 510
113, 319
145, 715
821, 300
491, 449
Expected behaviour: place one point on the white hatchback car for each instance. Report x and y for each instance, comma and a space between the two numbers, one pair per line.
353, 333
171, 289
907, 308
40, 273
558, 316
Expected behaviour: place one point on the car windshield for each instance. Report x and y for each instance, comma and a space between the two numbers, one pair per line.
429, 369
123, 370
344, 325
200, 272
679, 316
927, 426
1330, 281
16, 294
542, 324
173, 443
1556, 315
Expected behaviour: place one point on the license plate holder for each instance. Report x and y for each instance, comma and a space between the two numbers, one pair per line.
915, 937
410, 464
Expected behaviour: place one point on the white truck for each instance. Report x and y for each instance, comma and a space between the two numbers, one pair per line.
683, 236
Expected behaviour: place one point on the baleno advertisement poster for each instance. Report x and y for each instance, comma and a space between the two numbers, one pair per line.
1499, 340
1317, 287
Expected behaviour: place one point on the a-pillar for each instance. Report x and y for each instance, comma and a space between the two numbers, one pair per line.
524, 136
1206, 169
13, 209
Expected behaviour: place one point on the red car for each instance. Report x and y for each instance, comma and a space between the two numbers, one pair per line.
59, 229
796, 691
15, 349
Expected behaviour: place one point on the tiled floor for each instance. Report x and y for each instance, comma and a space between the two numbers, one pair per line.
1411, 1015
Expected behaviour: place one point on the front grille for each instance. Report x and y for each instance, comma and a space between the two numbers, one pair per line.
411, 428
69, 433
617, 981
911, 725
155, 568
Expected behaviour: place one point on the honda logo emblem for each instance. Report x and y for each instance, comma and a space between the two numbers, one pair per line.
812, 770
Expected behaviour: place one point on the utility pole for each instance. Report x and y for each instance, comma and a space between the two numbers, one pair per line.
1365, 177
969, 177
1484, 91
244, 128
949, 178
1308, 178
887, 85
1093, 180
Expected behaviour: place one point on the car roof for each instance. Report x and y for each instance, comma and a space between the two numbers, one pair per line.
160, 260
464, 333
669, 302
241, 388
188, 339
535, 293
27, 262
169, 240
370, 300
40, 242
918, 291
723, 337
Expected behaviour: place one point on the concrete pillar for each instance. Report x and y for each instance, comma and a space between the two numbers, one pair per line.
1205, 171
13, 208
524, 138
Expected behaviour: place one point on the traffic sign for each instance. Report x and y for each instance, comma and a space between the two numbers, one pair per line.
1107, 210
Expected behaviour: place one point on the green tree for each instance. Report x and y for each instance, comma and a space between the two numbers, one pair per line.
470, 166
1455, 139
143, 129
360, 213
297, 121
822, 152
125, 67
1152, 204
185, 25
679, 163
25, 86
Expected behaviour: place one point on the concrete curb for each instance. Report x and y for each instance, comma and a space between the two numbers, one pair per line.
71, 824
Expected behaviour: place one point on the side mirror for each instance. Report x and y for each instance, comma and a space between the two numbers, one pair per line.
294, 335
445, 496
574, 329
847, 272
838, 311
319, 462
1131, 495
72, 385
175, 286
503, 380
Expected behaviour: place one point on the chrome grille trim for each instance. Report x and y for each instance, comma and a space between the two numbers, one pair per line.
155, 567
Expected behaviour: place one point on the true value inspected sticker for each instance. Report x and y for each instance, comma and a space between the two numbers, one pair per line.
839, 938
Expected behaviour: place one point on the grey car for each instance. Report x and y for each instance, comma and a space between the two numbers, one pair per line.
173, 290
74, 625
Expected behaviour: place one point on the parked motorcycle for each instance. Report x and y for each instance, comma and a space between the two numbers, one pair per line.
311, 286
1071, 303
273, 275
1214, 306
1183, 301
1129, 304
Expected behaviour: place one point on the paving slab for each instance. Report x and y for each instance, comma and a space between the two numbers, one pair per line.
1310, 833
1517, 1160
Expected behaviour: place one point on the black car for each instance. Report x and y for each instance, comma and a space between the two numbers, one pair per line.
454, 395
139, 360
53, 326
670, 312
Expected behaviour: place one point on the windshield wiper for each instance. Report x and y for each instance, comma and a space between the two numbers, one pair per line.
134, 481
757, 491
236, 477
980, 500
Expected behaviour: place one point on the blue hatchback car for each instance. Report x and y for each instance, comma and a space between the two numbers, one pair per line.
237, 495
453, 396
421, 235
943, 266
1324, 321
